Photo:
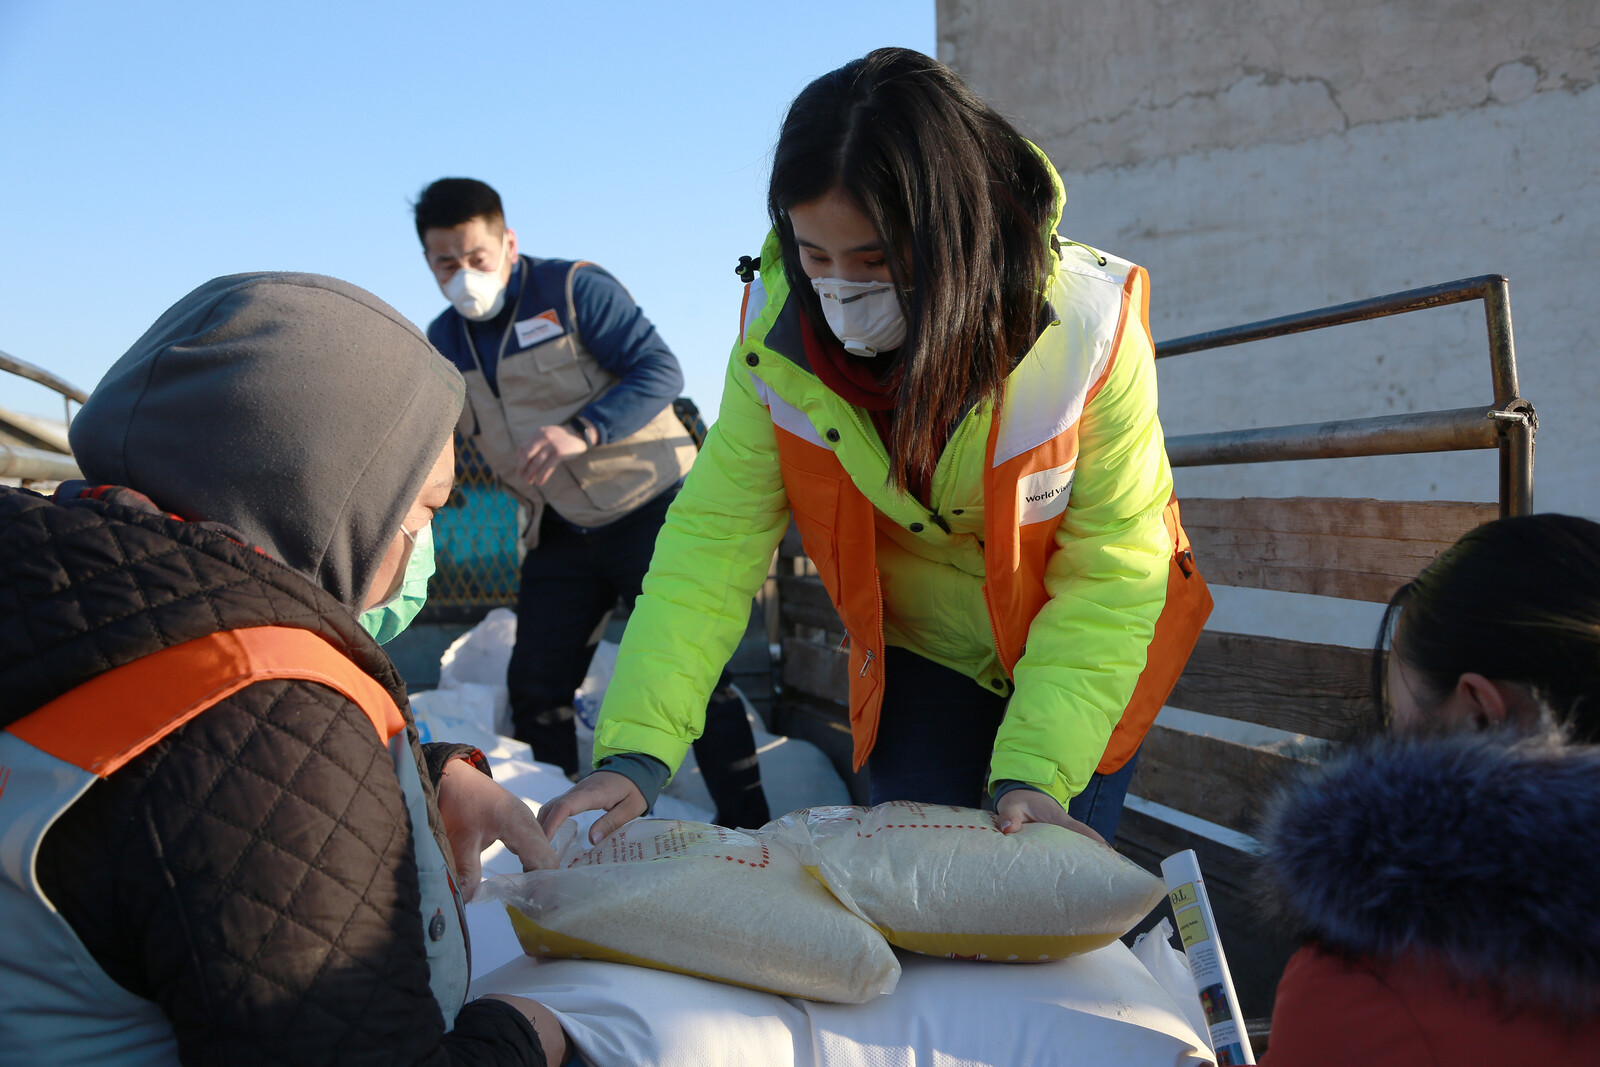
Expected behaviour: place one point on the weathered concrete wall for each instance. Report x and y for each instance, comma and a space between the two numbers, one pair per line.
1270, 157
1263, 157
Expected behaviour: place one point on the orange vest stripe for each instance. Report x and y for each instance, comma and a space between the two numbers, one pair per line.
838, 527
1183, 616
110, 719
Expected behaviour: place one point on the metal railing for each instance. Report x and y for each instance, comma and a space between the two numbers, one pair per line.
35, 464
1509, 424
25, 459
23, 369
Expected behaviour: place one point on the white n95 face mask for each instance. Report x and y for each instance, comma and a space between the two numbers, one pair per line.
477, 294
865, 316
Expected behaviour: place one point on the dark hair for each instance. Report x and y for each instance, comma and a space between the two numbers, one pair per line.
1515, 600
961, 202
449, 202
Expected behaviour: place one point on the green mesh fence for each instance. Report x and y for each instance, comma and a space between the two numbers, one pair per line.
474, 544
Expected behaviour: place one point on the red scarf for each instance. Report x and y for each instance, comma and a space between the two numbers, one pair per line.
870, 383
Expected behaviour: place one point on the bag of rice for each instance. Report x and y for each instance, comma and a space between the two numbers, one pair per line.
944, 881
699, 900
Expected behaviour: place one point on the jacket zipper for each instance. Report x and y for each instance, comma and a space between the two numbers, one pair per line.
877, 586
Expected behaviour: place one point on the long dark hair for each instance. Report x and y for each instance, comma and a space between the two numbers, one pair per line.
1515, 600
961, 203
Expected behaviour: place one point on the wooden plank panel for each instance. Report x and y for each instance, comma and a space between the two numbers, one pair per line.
1349, 548
1305, 688
804, 602
1217, 780
816, 670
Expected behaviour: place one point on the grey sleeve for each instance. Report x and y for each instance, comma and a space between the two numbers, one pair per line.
646, 772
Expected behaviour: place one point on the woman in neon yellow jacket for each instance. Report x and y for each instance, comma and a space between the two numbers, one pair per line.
958, 409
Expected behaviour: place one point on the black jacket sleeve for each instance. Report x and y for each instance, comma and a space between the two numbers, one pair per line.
253, 874
438, 753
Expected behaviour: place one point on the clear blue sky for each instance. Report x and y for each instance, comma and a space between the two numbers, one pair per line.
145, 148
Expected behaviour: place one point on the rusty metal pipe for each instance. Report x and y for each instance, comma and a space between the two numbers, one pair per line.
1422, 431
1359, 311
1502, 347
1518, 429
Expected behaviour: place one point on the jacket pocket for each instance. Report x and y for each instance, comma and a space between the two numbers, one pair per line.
546, 376
625, 475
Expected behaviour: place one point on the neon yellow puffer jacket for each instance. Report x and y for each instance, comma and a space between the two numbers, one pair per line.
1085, 648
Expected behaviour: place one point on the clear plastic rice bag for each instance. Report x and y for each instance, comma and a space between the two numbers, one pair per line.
944, 881
699, 900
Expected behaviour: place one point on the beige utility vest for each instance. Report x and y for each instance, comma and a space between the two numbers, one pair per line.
545, 384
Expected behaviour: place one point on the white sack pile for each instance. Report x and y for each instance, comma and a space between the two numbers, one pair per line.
472, 687
699, 900
1094, 1010
944, 881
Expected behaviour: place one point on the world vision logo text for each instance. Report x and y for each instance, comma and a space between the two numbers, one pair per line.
1048, 494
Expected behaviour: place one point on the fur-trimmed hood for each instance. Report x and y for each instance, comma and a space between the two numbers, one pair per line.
1475, 852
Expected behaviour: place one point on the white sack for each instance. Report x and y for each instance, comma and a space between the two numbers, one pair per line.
480, 657
1090, 1011
1170, 968
466, 713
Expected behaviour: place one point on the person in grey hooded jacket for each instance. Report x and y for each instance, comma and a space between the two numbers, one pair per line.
269, 879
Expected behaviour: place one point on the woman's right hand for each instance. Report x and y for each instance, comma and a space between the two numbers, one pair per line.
605, 791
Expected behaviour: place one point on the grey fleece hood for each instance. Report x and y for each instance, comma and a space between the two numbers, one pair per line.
298, 409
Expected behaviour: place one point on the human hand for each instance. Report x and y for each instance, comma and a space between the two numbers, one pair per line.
546, 450
477, 812
1027, 805
607, 791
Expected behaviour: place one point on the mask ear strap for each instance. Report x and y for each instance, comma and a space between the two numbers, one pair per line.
400, 572
385, 621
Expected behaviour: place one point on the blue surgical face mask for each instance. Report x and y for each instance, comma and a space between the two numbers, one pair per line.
386, 621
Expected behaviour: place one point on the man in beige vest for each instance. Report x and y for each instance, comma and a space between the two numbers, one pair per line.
569, 401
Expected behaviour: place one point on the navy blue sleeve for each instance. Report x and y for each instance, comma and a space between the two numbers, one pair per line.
624, 342
441, 333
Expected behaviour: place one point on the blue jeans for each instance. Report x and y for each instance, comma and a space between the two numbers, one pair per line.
936, 735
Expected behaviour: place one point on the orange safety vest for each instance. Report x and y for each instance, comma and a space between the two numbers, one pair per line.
108, 720
51, 756
1016, 552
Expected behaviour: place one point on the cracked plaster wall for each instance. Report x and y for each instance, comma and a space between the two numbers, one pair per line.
1124, 83
1272, 157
